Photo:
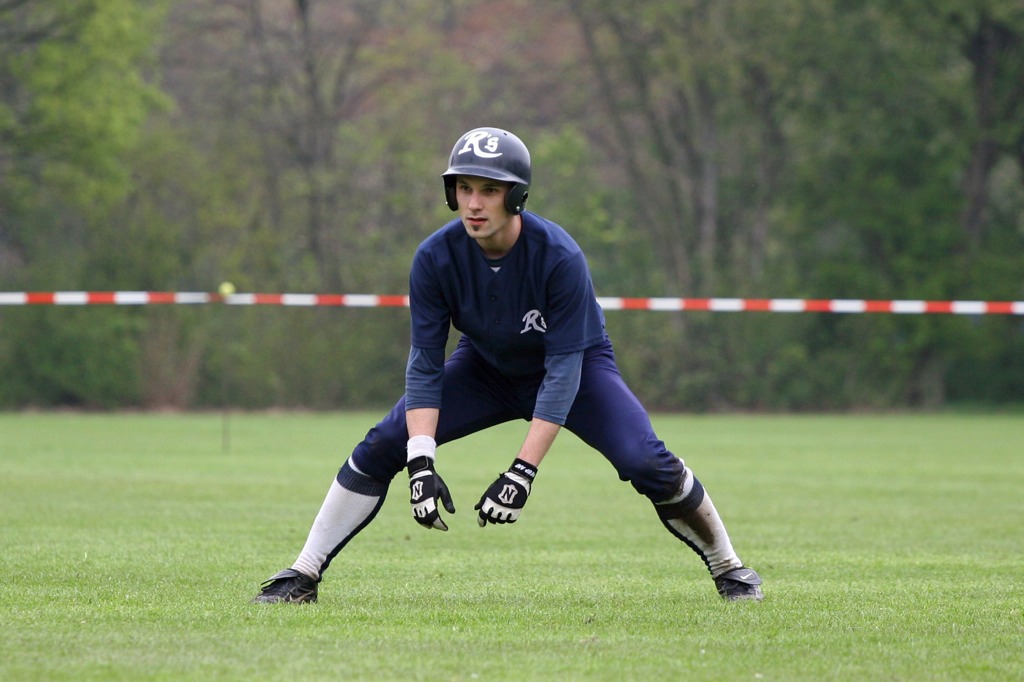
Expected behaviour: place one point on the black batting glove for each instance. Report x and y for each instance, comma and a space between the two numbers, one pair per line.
425, 488
504, 500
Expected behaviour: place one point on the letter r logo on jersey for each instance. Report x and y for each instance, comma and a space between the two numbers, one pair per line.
534, 321
473, 140
507, 494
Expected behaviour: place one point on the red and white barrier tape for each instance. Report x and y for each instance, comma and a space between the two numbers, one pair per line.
772, 305
196, 298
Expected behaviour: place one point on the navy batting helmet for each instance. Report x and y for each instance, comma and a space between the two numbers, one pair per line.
490, 153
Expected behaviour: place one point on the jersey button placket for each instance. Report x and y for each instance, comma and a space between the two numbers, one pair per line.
492, 298
494, 306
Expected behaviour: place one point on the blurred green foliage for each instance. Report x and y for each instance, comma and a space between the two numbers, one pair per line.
736, 148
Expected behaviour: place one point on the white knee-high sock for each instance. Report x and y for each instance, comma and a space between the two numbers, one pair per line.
691, 516
343, 514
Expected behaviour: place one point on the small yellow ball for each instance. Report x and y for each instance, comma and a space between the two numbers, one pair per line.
226, 288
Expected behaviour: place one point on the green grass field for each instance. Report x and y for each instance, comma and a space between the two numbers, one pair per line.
891, 547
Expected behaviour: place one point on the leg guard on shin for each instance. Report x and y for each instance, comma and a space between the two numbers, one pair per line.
690, 515
352, 501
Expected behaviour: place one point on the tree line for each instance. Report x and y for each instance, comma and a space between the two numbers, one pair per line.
697, 148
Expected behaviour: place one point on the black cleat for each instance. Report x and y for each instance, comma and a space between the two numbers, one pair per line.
287, 585
738, 584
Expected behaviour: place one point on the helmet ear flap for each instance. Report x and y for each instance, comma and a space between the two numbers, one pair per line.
449, 193
515, 200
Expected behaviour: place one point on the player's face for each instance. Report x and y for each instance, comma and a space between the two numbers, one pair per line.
482, 209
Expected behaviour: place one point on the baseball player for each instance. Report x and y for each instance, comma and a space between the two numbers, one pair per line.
533, 347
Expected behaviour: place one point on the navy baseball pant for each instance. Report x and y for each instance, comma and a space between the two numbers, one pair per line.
605, 415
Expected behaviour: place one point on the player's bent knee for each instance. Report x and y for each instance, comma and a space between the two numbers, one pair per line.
356, 481
689, 496
381, 455
657, 478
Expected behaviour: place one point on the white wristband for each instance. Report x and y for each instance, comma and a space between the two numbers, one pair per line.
421, 446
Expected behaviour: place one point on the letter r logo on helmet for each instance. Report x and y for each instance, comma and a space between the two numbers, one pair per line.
477, 138
490, 153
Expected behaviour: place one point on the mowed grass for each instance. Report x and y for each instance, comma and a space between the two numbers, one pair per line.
891, 547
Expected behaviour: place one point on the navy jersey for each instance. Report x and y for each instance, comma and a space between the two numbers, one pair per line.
540, 302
